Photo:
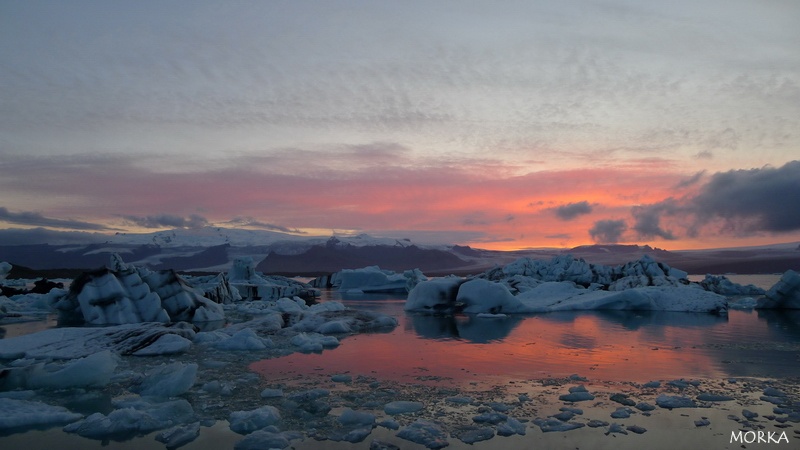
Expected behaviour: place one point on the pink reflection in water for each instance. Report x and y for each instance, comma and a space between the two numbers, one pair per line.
614, 346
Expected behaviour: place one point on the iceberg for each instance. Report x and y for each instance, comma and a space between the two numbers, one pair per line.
121, 294
785, 294
255, 286
371, 279
564, 284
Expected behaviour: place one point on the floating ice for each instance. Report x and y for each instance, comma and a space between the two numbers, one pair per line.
402, 407
70, 343
19, 414
255, 286
133, 417
720, 284
477, 435
246, 422
314, 342
563, 284
351, 418
5, 269
674, 401
552, 424
168, 380
243, 340
785, 294
425, 432
91, 371
122, 294
372, 279
179, 436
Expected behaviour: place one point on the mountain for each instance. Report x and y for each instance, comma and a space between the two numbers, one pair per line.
336, 255
213, 249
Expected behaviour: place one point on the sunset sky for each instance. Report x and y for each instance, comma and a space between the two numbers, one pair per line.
499, 125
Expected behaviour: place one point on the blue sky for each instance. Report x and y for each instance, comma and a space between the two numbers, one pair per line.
476, 122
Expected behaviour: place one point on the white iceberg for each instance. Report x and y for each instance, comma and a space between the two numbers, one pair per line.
530, 286
373, 279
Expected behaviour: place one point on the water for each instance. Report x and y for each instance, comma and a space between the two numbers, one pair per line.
607, 345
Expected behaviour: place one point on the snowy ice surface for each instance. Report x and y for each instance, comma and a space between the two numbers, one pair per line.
785, 294
530, 286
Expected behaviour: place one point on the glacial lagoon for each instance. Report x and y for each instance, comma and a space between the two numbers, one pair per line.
462, 367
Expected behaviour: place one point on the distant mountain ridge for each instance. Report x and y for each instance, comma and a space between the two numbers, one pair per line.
213, 249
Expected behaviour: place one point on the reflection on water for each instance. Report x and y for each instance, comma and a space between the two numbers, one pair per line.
607, 345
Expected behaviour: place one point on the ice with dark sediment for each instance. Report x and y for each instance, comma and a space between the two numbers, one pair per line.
122, 293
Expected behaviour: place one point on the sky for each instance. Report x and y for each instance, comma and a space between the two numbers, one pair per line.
500, 125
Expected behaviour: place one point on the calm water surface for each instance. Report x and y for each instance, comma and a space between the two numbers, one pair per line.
607, 345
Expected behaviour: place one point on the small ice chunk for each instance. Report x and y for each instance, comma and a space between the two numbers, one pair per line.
644, 406
425, 432
271, 393
616, 428
709, 397
702, 423
576, 394
244, 340
166, 344
621, 413
169, 380
674, 401
477, 435
262, 439
342, 378
246, 422
492, 417
553, 424
402, 407
510, 427
354, 418
637, 429
179, 436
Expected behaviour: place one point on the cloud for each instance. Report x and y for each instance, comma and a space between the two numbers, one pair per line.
572, 210
691, 181
648, 219
168, 221
754, 200
253, 223
608, 231
17, 236
37, 219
